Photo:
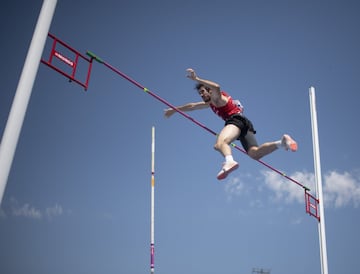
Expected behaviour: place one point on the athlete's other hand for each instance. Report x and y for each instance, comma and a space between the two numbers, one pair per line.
191, 74
168, 112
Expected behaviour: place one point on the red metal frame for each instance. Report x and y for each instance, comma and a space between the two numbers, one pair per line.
312, 203
72, 63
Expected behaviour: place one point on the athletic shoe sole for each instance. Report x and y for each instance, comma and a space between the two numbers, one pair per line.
224, 173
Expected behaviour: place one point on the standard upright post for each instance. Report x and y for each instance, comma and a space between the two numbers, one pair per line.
22, 96
152, 235
319, 192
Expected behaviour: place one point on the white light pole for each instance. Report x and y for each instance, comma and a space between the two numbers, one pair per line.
23, 92
319, 191
152, 204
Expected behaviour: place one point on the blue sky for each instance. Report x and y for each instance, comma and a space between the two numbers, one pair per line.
78, 195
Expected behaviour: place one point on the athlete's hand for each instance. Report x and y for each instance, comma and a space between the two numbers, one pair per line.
191, 74
168, 112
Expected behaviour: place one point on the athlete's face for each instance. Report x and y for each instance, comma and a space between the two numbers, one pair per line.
205, 94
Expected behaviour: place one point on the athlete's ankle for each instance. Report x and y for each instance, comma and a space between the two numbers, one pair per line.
229, 158
278, 143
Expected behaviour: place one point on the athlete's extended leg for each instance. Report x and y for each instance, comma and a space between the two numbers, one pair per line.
227, 135
262, 150
257, 152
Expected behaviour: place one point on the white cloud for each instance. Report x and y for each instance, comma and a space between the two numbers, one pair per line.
234, 187
54, 211
339, 189
237, 186
286, 190
28, 211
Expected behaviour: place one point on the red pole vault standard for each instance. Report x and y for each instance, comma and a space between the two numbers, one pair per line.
72, 62
311, 203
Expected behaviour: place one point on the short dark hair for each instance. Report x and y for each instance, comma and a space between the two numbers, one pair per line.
198, 86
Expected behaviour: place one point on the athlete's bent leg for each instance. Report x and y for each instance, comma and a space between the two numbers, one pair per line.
227, 135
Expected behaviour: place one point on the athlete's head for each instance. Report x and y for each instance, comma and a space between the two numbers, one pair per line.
204, 92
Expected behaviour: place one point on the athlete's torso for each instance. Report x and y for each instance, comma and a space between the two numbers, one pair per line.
232, 107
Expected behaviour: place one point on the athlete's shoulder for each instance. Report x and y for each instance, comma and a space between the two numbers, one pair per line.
224, 93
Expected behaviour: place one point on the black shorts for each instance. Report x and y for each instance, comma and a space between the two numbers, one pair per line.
247, 135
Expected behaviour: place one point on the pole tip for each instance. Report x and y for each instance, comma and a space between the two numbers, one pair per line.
306, 188
93, 56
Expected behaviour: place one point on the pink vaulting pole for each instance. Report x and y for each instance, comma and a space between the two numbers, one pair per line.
92, 55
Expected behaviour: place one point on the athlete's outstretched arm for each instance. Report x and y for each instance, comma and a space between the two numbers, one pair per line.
187, 107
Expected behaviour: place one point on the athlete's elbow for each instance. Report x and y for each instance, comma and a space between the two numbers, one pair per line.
216, 87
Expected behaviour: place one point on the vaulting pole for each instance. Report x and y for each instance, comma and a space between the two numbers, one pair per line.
319, 191
23, 92
152, 202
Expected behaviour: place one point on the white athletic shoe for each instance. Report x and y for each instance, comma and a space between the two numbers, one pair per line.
226, 169
289, 143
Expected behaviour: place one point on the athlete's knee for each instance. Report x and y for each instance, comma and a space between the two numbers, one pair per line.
253, 153
219, 144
